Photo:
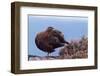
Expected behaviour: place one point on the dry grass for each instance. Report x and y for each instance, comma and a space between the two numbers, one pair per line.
76, 49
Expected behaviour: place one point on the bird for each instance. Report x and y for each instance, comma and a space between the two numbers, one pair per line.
50, 39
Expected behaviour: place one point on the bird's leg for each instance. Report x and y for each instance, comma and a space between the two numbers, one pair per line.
48, 54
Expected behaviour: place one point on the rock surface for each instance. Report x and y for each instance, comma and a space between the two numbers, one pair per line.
43, 57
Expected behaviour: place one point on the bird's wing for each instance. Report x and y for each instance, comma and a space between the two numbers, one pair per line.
60, 36
54, 41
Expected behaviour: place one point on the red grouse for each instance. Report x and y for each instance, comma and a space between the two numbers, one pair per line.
50, 39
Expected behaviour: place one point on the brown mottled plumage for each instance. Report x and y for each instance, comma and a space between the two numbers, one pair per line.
49, 39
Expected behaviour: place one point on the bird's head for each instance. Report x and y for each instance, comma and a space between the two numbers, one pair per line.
49, 29
54, 31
